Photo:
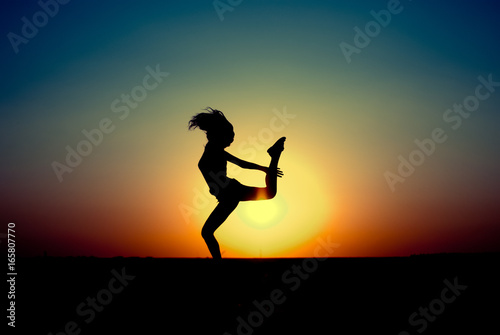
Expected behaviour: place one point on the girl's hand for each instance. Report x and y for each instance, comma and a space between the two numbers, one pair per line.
278, 171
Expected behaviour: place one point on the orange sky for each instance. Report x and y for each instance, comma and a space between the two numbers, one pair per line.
274, 71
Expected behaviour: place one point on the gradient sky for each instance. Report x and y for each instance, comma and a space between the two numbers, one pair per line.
275, 68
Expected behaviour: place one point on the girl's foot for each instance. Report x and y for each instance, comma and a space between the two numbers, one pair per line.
277, 147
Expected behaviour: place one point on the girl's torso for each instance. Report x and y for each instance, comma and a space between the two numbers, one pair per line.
213, 166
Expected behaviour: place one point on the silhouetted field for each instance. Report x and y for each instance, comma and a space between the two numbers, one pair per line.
434, 294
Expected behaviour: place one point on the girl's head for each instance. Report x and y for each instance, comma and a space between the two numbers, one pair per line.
218, 129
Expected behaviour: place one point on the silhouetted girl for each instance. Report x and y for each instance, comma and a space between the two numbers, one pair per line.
213, 166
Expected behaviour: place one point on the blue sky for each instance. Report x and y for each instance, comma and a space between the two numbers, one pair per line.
357, 117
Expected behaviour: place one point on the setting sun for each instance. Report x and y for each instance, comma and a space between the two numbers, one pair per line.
263, 214
100, 160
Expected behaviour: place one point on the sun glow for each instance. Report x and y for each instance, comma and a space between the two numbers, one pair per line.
263, 214
277, 227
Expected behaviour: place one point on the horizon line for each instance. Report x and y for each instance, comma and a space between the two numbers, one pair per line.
269, 258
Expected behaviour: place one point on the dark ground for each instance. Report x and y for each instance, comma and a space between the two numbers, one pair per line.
195, 296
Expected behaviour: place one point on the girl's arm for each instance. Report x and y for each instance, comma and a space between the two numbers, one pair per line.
244, 164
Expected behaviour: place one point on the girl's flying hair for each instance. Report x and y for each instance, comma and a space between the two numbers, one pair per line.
214, 124
209, 122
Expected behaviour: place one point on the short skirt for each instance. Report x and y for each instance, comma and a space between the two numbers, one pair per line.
232, 190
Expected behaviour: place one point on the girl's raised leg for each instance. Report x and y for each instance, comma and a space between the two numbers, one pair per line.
268, 192
272, 176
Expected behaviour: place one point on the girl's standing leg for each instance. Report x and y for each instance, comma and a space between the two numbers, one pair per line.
225, 208
218, 216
